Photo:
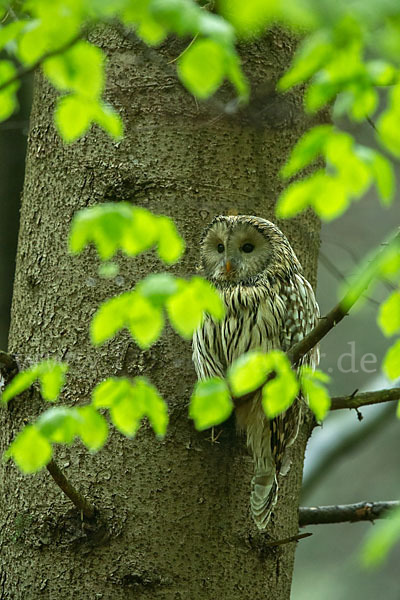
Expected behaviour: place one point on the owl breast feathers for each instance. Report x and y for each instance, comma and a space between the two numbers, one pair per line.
268, 305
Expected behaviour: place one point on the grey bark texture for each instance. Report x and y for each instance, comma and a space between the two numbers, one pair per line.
174, 518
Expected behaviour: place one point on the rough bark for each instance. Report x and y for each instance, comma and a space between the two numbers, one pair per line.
174, 515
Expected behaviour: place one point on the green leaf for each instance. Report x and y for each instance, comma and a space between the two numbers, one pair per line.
105, 225
248, 373
30, 450
252, 369
8, 98
19, 384
389, 314
130, 401
151, 32
10, 32
79, 69
51, 375
311, 56
154, 406
325, 193
144, 320
316, 394
158, 288
106, 116
52, 379
134, 229
279, 393
365, 101
391, 361
383, 173
170, 244
249, 18
202, 67
310, 145
58, 424
388, 123
110, 318
73, 116
92, 427
381, 539
210, 403
187, 306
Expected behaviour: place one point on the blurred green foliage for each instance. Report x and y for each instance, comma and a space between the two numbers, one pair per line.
347, 51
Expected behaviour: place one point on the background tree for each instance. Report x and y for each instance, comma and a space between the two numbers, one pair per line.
156, 168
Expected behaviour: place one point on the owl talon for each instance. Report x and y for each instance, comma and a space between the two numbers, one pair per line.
214, 438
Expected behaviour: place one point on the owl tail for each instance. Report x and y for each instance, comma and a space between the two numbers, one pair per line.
264, 485
264, 493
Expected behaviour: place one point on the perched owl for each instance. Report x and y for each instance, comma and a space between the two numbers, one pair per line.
269, 305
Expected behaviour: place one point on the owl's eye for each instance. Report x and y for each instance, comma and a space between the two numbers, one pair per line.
220, 248
247, 248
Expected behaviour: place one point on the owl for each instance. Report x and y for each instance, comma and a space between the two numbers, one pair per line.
268, 305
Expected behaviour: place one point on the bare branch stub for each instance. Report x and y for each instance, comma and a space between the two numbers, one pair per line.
8, 364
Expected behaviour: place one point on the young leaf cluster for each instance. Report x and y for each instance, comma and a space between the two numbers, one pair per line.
211, 401
128, 402
50, 33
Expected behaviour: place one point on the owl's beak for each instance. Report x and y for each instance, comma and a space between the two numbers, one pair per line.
228, 267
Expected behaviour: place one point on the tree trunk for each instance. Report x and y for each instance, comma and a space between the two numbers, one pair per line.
174, 515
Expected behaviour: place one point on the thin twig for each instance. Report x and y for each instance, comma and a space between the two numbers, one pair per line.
87, 509
23, 71
332, 268
327, 323
345, 513
343, 447
365, 399
370, 121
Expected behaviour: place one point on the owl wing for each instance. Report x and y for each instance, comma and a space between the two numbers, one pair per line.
301, 316
207, 350
269, 439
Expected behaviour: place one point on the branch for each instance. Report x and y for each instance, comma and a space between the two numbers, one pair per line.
327, 323
344, 445
8, 364
341, 513
23, 71
365, 399
76, 497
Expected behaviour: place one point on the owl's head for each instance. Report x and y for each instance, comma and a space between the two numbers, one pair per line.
237, 249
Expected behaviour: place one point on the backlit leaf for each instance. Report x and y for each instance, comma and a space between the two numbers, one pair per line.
391, 361
92, 428
315, 392
129, 401
389, 314
202, 67
210, 403
248, 373
73, 116
59, 424
30, 450
381, 539
79, 69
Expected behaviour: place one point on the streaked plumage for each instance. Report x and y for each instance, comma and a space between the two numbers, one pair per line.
269, 305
